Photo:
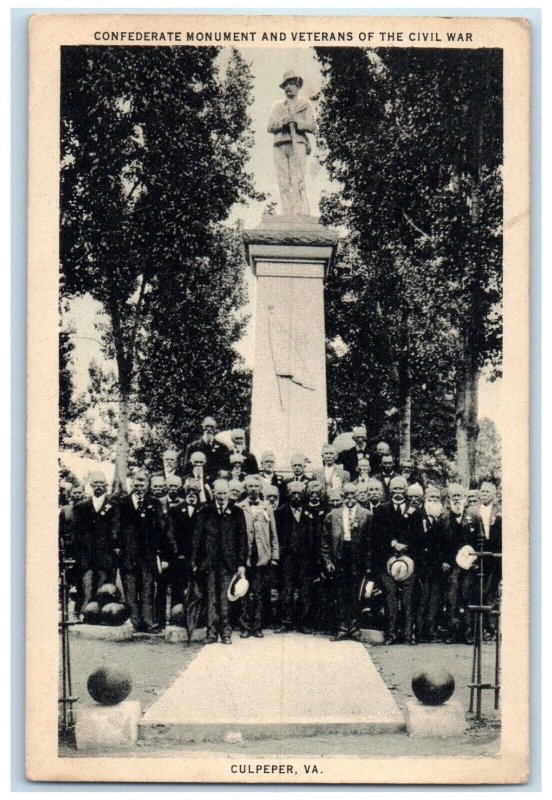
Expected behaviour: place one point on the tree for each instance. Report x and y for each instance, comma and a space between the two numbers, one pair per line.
67, 410
154, 143
413, 137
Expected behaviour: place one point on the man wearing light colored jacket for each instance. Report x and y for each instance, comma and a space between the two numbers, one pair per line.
263, 551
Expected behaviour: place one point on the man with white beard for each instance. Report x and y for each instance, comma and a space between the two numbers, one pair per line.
431, 564
462, 527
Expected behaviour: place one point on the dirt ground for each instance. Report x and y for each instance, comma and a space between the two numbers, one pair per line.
154, 664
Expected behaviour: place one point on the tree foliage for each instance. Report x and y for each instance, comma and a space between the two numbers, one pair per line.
414, 139
154, 145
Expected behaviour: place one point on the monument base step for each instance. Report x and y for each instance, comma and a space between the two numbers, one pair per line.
110, 633
273, 688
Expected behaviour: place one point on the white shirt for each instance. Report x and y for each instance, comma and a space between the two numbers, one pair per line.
485, 512
331, 478
135, 500
349, 515
98, 502
296, 513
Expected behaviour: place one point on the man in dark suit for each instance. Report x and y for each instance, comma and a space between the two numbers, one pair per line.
183, 515
268, 476
462, 527
381, 449
391, 535
431, 563
295, 565
491, 523
250, 466
314, 516
349, 458
95, 529
170, 465
220, 550
387, 474
197, 469
375, 494
140, 542
298, 463
67, 544
216, 453
346, 557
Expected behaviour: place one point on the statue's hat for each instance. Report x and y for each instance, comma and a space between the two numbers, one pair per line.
289, 75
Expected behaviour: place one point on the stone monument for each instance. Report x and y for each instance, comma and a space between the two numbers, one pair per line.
290, 255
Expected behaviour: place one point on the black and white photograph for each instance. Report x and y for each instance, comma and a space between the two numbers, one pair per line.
284, 416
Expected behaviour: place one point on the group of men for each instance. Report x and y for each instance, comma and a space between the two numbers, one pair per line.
318, 548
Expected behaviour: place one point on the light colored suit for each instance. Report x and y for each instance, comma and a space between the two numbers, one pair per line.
338, 478
261, 527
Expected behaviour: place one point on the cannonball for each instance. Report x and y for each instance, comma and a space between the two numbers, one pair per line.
108, 593
178, 615
91, 613
113, 614
433, 686
109, 685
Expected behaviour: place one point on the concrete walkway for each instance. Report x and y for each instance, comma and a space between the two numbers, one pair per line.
287, 685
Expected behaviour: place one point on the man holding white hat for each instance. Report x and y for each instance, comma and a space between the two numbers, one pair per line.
392, 538
346, 557
262, 552
222, 539
290, 122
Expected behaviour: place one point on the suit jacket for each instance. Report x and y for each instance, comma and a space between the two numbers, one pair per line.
95, 534
429, 548
183, 527
332, 540
303, 479
67, 529
339, 472
261, 527
250, 466
385, 481
293, 537
217, 456
460, 533
277, 481
220, 540
143, 536
349, 461
387, 525
314, 521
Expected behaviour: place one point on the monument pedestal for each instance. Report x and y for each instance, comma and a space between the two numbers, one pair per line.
290, 257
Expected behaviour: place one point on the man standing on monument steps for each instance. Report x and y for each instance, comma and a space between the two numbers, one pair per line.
290, 122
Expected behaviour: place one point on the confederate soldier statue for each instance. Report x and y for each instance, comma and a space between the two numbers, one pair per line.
290, 122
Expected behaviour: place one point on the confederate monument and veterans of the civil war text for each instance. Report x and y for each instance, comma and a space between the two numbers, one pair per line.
290, 255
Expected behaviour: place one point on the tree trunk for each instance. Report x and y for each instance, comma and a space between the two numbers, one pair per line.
121, 451
405, 399
467, 426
